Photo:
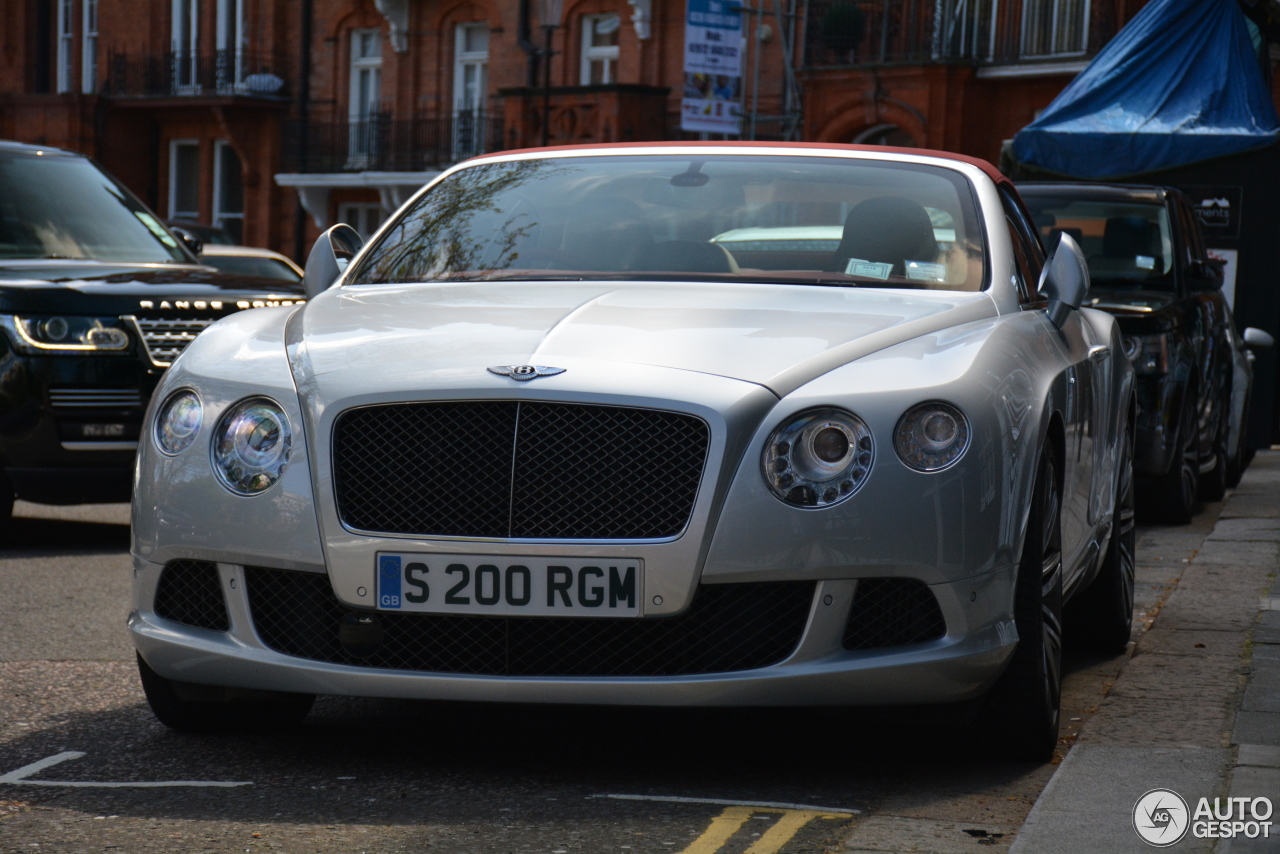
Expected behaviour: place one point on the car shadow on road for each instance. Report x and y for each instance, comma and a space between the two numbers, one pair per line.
41, 529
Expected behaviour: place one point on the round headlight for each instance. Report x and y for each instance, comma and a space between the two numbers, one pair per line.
179, 422
818, 458
251, 446
931, 436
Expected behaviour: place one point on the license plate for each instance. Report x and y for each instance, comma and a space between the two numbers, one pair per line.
519, 586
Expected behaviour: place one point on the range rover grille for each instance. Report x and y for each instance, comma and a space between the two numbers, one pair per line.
166, 338
524, 470
728, 627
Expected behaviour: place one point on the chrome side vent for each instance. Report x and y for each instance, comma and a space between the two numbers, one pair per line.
95, 398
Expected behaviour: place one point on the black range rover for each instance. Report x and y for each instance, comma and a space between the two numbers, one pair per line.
97, 298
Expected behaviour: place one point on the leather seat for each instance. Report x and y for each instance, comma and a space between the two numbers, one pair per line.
886, 230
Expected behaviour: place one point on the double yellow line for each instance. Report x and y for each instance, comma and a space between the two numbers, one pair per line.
771, 841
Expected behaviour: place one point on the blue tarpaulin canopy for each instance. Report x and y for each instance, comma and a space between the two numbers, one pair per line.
1179, 84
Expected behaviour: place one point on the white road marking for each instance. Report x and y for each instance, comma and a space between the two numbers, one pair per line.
21, 775
726, 803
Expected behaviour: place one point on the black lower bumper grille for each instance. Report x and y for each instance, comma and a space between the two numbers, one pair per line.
892, 612
729, 627
190, 592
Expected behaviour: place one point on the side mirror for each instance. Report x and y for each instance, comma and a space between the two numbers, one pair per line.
1205, 275
1256, 339
193, 244
329, 258
1065, 280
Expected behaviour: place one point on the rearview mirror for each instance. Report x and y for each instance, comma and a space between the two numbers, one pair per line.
1065, 280
1256, 339
329, 258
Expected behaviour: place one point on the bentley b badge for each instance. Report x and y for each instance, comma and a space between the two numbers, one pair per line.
524, 373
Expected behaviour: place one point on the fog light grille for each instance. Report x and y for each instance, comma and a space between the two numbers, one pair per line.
892, 612
729, 627
190, 592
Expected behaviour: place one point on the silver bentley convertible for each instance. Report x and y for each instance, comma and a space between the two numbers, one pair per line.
709, 424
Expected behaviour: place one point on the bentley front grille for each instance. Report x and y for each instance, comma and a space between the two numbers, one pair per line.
520, 470
95, 398
892, 612
166, 337
727, 628
190, 592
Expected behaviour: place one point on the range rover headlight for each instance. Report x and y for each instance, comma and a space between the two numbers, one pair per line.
66, 332
178, 422
932, 436
818, 458
251, 446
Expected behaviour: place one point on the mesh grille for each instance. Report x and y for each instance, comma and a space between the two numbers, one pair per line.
729, 627
892, 612
190, 592
580, 472
166, 338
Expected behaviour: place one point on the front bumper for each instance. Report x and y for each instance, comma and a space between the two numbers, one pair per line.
960, 666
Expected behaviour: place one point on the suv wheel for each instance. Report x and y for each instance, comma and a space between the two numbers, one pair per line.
1171, 498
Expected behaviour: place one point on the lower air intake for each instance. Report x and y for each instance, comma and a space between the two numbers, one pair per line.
892, 612
729, 627
190, 592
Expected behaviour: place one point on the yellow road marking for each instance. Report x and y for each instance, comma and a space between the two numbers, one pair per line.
722, 827
731, 820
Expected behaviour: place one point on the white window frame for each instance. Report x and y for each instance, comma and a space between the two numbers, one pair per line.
231, 40
89, 47
219, 215
355, 215
607, 55
364, 63
174, 145
185, 45
461, 59
1050, 8
66, 44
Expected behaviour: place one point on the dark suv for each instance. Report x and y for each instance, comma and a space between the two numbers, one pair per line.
1148, 267
97, 298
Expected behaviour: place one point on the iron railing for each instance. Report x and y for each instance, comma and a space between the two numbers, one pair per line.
221, 72
881, 32
382, 144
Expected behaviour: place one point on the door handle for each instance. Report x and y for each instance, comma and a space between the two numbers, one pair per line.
1098, 352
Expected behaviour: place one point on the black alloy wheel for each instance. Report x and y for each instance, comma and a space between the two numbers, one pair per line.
1025, 704
1171, 498
186, 707
1100, 618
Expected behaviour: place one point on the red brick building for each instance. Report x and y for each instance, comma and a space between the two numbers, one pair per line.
275, 118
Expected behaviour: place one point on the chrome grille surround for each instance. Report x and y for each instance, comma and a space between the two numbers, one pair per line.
164, 338
517, 470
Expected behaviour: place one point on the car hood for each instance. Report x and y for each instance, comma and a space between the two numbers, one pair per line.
445, 335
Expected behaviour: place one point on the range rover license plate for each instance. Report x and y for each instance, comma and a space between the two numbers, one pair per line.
513, 586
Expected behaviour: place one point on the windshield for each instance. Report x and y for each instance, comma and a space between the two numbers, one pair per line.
55, 206
1127, 244
776, 219
251, 265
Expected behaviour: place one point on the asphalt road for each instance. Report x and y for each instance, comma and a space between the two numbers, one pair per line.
375, 776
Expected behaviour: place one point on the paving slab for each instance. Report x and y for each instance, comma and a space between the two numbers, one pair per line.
900, 834
1258, 754
1246, 529
1263, 692
1253, 727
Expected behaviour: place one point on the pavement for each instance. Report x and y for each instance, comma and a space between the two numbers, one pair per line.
84, 766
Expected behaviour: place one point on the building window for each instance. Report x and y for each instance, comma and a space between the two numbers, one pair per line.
186, 32
470, 85
228, 191
365, 97
600, 48
364, 217
66, 43
184, 179
1054, 27
231, 40
89, 48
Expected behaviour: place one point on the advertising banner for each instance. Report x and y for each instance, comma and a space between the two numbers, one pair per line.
712, 67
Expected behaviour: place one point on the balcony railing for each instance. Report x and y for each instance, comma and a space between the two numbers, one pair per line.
220, 73
383, 145
881, 32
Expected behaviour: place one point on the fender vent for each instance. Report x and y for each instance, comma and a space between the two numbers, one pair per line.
190, 592
892, 612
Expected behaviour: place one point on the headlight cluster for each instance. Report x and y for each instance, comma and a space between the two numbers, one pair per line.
1148, 353
818, 458
821, 457
931, 436
69, 333
250, 444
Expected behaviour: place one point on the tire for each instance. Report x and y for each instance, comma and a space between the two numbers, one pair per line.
6, 510
1213, 484
1025, 704
1171, 498
186, 707
1239, 462
1100, 619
